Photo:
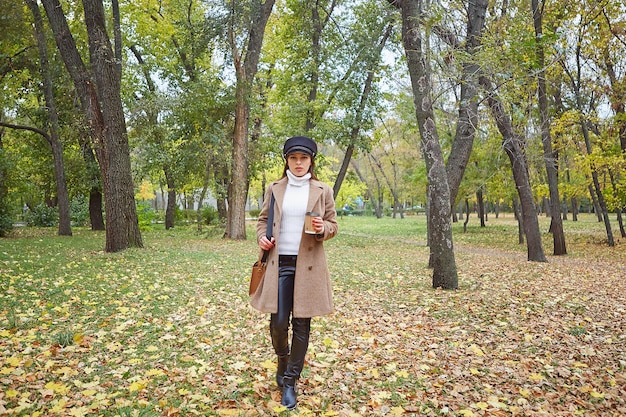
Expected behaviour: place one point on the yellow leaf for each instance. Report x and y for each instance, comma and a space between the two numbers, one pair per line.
57, 387
373, 372
152, 348
476, 350
7, 371
279, 409
536, 377
89, 392
481, 405
11, 393
78, 338
466, 413
59, 407
524, 392
402, 374
580, 365
13, 361
474, 371
138, 385
269, 364
5, 333
495, 402
154, 372
596, 394
397, 411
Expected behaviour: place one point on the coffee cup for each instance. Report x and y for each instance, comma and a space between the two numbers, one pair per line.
308, 222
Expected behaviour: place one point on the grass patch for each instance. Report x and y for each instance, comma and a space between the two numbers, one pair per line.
166, 330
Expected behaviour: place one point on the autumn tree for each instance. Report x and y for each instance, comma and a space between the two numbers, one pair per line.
441, 247
551, 157
246, 29
99, 95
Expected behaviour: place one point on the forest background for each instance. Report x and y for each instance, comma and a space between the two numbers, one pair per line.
335, 70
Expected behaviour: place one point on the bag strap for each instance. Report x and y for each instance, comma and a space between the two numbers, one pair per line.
270, 222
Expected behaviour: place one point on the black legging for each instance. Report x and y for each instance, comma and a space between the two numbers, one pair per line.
279, 323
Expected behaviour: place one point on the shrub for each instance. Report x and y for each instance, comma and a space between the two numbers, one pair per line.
210, 215
145, 215
6, 223
79, 210
42, 216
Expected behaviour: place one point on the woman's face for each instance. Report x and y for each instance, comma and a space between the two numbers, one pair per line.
299, 163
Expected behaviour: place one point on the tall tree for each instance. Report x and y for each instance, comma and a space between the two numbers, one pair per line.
550, 156
514, 148
442, 257
99, 94
468, 103
65, 228
360, 110
245, 60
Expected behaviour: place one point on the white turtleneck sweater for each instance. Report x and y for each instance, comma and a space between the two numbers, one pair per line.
294, 208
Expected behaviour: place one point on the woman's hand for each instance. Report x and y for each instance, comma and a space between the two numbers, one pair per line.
266, 244
318, 225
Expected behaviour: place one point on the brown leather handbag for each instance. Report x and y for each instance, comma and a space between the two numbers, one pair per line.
258, 269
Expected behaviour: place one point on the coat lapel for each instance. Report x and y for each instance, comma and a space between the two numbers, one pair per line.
315, 191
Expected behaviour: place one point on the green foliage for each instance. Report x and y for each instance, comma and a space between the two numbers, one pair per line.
6, 222
254, 213
42, 216
145, 215
79, 210
210, 215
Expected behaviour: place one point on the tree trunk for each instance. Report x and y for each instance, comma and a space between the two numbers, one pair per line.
467, 215
65, 228
594, 202
550, 156
170, 211
468, 105
370, 195
574, 209
442, 257
397, 208
367, 88
245, 70
93, 177
513, 146
122, 227
95, 209
481, 206
102, 106
598, 189
520, 221
5, 217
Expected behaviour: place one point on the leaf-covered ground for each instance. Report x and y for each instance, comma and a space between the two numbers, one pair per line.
167, 330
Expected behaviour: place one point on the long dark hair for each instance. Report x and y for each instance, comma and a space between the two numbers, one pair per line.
311, 169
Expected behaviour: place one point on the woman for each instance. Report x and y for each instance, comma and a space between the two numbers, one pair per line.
297, 281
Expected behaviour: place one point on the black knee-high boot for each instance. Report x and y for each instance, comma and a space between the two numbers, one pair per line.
299, 344
279, 322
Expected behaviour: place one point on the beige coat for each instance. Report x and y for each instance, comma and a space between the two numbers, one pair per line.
312, 294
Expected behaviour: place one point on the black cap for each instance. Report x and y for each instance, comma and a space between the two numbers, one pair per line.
300, 144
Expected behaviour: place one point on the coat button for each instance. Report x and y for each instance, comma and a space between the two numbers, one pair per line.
310, 268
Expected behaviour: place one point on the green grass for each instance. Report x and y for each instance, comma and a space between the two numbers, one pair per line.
166, 330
